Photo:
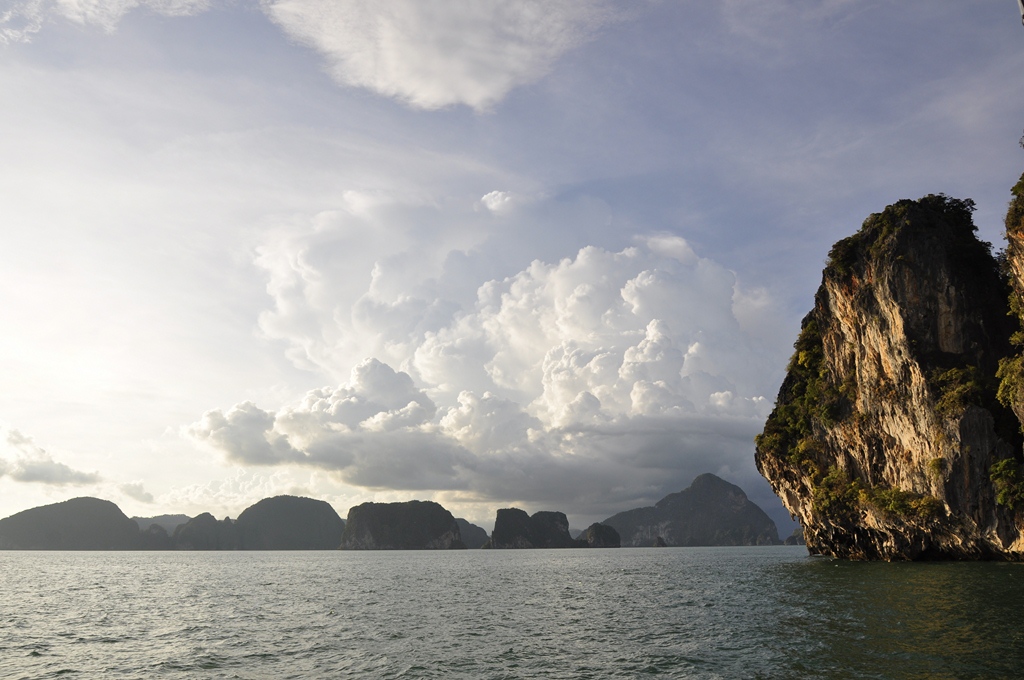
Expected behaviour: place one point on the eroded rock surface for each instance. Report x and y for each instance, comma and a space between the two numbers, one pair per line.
887, 426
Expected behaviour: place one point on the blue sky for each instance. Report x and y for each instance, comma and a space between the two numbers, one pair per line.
547, 254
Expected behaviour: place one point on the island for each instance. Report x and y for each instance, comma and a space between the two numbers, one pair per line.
896, 434
711, 511
412, 525
515, 529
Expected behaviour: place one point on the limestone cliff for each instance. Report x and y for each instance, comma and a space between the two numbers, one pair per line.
76, 524
205, 532
290, 523
413, 525
711, 511
472, 536
887, 428
168, 522
599, 535
515, 529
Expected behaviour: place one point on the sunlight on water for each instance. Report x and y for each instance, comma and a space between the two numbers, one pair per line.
711, 612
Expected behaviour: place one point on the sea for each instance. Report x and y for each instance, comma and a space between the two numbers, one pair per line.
755, 612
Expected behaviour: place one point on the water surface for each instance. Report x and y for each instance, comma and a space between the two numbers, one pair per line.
674, 612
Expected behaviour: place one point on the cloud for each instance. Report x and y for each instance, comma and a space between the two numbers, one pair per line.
21, 20
437, 53
246, 434
429, 54
136, 491
604, 379
34, 464
376, 430
498, 201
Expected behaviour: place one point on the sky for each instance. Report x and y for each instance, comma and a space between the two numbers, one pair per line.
548, 254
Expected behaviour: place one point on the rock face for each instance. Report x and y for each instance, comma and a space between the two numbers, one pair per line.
76, 524
513, 528
472, 536
289, 523
413, 525
710, 512
887, 440
599, 535
204, 532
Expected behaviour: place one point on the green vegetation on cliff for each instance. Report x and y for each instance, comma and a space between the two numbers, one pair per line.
813, 398
1007, 475
1009, 483
808, 396
838, 497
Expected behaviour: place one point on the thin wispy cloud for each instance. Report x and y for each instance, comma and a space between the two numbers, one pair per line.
21, 19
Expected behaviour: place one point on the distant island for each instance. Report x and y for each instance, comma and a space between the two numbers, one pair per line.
279, 523
514, 529
710, 512
413, 525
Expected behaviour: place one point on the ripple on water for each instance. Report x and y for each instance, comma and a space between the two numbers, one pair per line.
716, 613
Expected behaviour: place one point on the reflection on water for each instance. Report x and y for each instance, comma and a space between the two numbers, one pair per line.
906, 620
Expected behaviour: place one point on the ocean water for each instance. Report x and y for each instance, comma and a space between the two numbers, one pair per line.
628, 613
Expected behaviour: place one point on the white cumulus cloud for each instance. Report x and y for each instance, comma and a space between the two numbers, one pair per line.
604, 378
498, 201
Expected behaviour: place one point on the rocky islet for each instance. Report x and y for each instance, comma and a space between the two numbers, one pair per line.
896, 434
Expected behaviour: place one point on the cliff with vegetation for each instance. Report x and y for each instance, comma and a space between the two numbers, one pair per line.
894, 434
711, 511
599, 535
279, 523
515, 529
76, 524
413, 525
206, 532
290, 523
472, 536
